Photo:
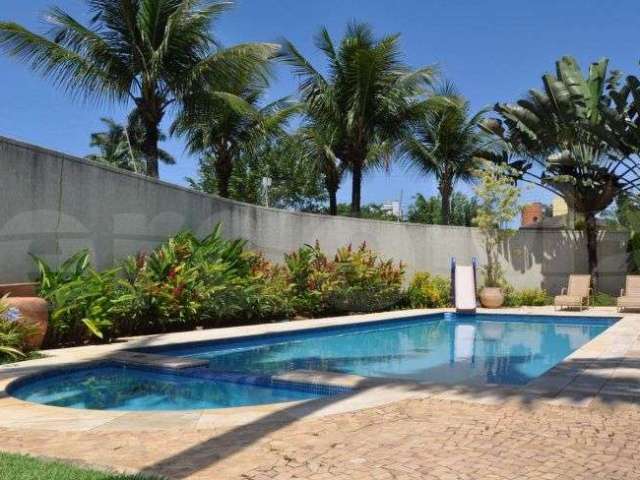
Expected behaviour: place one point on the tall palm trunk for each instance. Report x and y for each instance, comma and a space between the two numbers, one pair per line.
332, 190
333, 204
591, 232
224, 169
150, 147
151, 111
332, 179
356, 187
446, 189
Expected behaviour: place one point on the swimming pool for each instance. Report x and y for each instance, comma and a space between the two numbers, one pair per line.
489, 349
444, 348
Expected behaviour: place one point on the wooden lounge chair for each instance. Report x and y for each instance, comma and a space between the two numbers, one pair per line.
576, 295
630, 295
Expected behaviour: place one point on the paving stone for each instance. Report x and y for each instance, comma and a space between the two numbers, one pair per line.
418, 438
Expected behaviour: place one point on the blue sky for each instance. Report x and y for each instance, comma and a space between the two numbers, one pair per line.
493, 50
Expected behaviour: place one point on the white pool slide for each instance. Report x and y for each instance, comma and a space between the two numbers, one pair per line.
464, 285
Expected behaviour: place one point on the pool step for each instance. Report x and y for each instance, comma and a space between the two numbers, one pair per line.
157, 361
332, 379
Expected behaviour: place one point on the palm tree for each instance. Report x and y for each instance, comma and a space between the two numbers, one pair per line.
319, 144
223, 126
445, 141
429, 210
114, 147
121, 146
368, 95
571, 139
295, 183
150, 52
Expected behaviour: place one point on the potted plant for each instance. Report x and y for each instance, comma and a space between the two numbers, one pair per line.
34, 311
498, 207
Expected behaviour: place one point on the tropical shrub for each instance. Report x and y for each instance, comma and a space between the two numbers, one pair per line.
188, 282
74, 268
169, 288
601, 299
364, 281
83, 307
530, 297
313, 279
264, 293
429, 291
82, 300
183, 283
13, 334
356, 280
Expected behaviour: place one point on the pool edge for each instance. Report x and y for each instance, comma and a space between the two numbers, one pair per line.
615, 342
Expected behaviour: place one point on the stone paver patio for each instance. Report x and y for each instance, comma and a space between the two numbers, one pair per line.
579, 421
431, 439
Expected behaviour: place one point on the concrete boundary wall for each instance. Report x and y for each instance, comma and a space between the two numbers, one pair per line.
53, 204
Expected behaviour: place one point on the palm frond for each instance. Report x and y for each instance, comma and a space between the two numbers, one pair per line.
71, 70
302, 68
227, 66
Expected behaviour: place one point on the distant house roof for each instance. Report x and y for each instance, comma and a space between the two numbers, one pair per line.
558, 222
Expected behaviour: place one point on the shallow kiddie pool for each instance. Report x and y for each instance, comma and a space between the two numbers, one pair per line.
118, 387
440, 348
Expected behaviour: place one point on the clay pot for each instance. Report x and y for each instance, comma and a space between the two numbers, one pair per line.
491, 297
34, 311
19, 289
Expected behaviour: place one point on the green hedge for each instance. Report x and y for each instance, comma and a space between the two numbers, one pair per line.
211, 282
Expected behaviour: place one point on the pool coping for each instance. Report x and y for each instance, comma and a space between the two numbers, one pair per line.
606, 368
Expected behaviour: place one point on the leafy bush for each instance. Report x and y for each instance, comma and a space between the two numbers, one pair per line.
73, 268
364, 282
84, 307
601, 299
13, 334
262, 293
168, 288
429, 291
187, 282
313, 279
183, 283
81, 299
356, 280
530, 297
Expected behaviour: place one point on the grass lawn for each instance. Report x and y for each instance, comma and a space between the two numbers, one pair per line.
19, 467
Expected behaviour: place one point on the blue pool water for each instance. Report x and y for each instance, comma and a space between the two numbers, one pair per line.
113, 387
478, 349
445, 348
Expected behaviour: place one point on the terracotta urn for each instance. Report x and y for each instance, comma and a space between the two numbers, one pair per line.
491, 297
19, 289
33, 310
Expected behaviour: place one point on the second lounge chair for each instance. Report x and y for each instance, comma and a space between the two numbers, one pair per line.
577, 294
630, 295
